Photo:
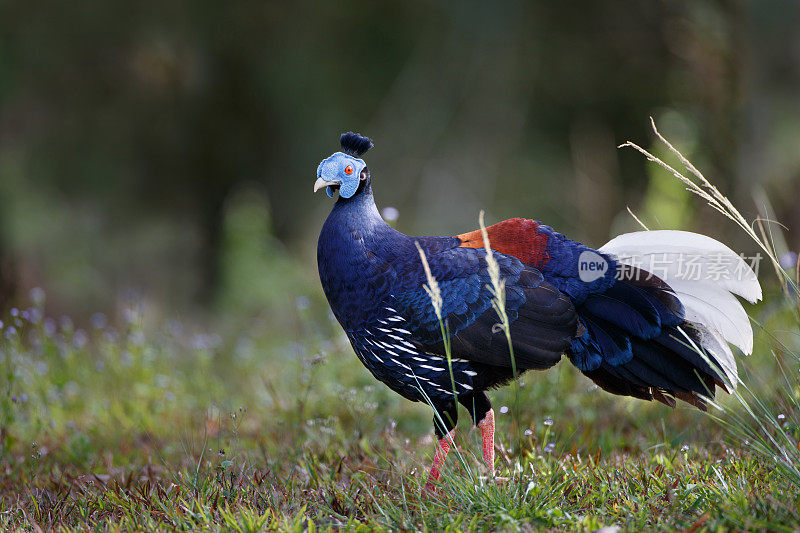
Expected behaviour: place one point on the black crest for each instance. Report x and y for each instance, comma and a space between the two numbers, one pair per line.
354, 144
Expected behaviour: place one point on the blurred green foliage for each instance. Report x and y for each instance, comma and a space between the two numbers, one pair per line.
157, 156
128, 131
171, 427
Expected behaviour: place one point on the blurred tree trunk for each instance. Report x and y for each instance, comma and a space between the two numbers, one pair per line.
8, 278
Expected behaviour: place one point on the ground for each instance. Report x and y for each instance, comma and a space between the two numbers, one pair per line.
272, 423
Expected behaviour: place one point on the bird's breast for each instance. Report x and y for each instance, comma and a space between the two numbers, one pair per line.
355, 275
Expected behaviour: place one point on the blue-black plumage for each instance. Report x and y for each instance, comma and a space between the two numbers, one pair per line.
628, 330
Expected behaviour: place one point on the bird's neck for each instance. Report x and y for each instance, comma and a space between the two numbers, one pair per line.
354, 247
356, 217
360, 208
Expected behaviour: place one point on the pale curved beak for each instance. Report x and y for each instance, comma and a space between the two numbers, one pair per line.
321, 184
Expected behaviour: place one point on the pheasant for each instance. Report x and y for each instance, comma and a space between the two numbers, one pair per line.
648, 315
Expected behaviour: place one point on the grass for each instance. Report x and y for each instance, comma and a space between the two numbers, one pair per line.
273, 424
123, 428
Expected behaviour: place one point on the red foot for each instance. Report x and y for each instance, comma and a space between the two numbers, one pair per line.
487, 431
438, 461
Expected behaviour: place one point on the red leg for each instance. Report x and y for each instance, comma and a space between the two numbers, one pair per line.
487, 431
438, 461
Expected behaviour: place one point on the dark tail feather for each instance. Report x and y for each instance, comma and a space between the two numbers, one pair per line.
634, 347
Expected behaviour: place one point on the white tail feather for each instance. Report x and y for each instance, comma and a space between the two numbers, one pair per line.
688, 256
703, 273
716, 308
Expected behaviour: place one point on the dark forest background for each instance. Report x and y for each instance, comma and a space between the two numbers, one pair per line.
165, 151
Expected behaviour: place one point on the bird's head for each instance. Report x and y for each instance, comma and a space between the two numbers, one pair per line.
345, 170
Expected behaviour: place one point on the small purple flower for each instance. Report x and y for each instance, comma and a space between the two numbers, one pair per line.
788, 261
302, 302
99, 321
34, 315
390, 214
14, 311
10, 332
200, 342
37, 296
80, 339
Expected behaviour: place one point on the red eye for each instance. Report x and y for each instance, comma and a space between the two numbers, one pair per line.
348, 169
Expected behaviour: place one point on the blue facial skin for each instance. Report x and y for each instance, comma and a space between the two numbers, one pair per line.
333, 169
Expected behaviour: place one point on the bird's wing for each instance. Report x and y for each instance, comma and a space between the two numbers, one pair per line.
542, 318
655, 327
